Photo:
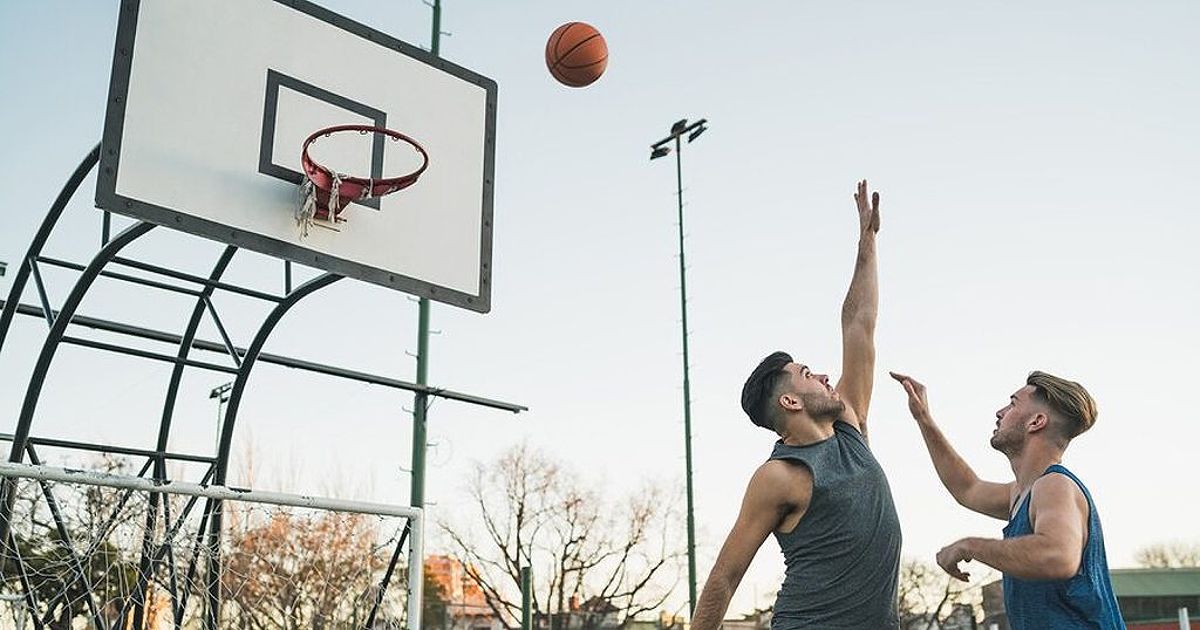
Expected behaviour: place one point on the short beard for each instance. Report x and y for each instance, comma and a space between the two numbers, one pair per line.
1005, 444
822, 407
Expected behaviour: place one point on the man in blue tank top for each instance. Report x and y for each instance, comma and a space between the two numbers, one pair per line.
1052, 555
821, 493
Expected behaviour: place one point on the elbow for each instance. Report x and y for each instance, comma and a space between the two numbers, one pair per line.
961, 492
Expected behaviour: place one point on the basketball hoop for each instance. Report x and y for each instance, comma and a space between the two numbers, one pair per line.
325, 193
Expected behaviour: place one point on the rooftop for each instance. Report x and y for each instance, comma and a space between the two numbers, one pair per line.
1156, 582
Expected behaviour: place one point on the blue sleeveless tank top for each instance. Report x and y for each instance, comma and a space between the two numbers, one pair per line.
1083, 601
843, 558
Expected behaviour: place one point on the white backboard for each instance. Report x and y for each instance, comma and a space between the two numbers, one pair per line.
211, 101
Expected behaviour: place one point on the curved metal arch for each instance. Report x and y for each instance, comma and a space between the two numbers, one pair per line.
220, 467
39, 240
54, 337
249, 360
164, 428
46, 357
185, 347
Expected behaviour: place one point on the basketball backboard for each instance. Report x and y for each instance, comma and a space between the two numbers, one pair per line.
210, 103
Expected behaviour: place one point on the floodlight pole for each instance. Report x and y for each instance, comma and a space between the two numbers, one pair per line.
657, 150
421, 400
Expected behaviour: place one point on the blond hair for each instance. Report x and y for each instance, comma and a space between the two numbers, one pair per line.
1066, 398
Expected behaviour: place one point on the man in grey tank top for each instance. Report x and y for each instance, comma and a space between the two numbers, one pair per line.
821, 492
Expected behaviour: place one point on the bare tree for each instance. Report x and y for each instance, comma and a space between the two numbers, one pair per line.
291, 571
928, 596
593, 561
1169, 555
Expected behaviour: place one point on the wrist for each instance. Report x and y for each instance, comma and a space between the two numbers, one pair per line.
973, 547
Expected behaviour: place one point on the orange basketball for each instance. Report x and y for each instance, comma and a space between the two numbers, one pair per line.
576, 54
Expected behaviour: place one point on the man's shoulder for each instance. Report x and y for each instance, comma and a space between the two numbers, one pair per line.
780, 471
1057, 479
780, 482
1057, 488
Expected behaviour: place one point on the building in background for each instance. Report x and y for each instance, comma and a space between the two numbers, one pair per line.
466, 607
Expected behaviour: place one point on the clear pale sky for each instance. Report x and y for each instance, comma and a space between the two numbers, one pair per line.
1037, 164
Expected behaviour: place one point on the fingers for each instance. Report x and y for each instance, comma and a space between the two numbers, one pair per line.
948, 560
907, 380
875, 211
957, 574
860, 195
904, 378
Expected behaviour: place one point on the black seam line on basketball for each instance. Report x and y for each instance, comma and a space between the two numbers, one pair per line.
561, 36
560, 58
553, 49
572, 80
574, 48
587, 65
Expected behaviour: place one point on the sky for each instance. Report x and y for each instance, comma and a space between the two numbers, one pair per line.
1036, 164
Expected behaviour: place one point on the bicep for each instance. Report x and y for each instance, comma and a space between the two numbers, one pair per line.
858, 370
762, 510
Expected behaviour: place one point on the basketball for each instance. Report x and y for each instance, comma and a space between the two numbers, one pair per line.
576, 54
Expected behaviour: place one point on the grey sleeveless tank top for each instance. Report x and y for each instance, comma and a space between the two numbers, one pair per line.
843, 558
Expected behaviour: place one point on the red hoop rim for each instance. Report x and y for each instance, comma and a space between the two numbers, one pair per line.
354, 187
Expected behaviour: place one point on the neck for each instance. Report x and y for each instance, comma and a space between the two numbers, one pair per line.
801, 430
1032, 461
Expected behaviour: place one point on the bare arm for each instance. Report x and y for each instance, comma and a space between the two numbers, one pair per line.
1052, 552
985, 497
764, 506
859, 313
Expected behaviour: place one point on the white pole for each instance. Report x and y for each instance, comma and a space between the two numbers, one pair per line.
1184, 623
69, 475
416, 568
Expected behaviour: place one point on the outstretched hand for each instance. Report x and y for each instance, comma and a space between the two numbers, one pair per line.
918, 402
868, 213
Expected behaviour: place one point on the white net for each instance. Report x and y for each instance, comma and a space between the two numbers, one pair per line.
91, 550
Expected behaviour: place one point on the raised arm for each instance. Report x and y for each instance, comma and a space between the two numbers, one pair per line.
766, 503
859, 312
1053, 551
985, 497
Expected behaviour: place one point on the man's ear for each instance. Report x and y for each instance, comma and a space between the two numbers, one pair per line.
1037, 422
791, 402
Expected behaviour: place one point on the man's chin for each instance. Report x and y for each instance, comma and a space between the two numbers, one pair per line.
836, 412
998, 443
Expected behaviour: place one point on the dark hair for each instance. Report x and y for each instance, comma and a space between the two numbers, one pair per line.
1067, 398
758, 394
